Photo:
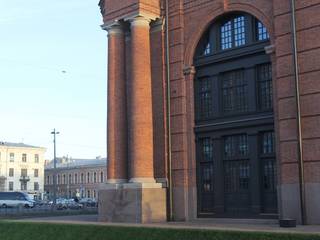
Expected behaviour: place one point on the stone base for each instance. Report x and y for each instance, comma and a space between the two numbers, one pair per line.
133, 203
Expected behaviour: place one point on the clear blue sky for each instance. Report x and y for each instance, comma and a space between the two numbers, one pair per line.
39, 39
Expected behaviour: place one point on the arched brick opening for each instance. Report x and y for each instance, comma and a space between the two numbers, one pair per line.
191, 45
190, 50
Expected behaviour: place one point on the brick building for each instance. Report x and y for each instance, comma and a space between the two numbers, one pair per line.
213, 109
75, 177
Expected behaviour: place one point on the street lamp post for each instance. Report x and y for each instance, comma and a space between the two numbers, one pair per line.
54, 132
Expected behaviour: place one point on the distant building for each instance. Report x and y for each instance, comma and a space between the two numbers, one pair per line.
22, 168
76, 177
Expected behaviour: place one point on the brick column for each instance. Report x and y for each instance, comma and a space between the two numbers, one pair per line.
140, 104
117, 117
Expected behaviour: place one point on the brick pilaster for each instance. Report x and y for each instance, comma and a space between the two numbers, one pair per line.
117, 115
140, 104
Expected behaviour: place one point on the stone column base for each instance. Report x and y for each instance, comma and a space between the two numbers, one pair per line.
133, 203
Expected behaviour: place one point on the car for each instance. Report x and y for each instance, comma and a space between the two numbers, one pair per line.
88, 202
15, 199
72, 204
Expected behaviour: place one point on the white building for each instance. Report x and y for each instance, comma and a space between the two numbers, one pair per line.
22, 168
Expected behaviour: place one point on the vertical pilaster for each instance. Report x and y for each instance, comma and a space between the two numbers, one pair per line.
140, 104
117, 115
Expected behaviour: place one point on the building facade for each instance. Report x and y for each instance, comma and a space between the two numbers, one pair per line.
76, 177
22, 168
216, 103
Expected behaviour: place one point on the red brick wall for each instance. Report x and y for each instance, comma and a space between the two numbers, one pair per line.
188, 21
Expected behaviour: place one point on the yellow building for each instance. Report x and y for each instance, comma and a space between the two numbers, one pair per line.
22, 168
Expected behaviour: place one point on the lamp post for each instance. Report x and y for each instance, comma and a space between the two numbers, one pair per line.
54, 132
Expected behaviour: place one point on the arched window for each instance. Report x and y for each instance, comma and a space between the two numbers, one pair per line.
64, 179
101, 177
75, 178
82, 178
234, 119
232, 31
94, 177
88, 177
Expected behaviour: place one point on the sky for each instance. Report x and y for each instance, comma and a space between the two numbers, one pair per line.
53, 75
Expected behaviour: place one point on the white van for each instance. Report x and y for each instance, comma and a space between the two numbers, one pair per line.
15, 199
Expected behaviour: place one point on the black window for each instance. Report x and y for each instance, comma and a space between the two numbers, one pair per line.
82, 178
237, 175
205, 98
236, 163
236, 146
94, 177
267, 145
11, 172
11, 157
36, 186
226, 35
101, 177
24, 172
36, 158
264, 73
36, 172
262, 33
239, 31
23, 186
233, 33
75, 178
268, 160
206, 45
206, 174
234, 92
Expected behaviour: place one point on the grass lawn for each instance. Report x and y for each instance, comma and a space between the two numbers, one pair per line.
44, 231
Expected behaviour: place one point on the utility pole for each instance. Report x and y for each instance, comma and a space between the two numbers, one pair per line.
54, 132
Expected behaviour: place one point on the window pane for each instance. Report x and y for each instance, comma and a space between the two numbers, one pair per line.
268, 143
207, 150
239, 31
226, 35
205, 96
11, 157
207, 177
236, 176
235, 92
269, 174
207, 49
236, 146
262, 32
265, 86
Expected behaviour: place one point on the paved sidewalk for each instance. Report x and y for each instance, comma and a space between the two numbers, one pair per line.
248, 225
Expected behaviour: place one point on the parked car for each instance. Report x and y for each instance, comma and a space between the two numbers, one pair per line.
88, 202
15, 199
72, 204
